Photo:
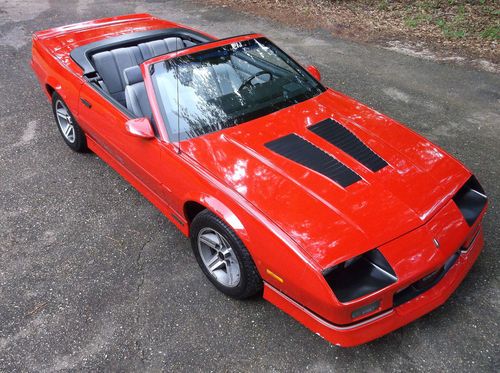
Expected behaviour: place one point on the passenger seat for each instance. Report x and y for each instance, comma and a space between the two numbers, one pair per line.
158, 47
136, 98
111, 64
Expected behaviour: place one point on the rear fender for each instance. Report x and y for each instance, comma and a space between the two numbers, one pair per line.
50, 72
52, 82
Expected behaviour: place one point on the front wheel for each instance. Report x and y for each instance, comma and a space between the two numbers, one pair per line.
71, 132
223, 257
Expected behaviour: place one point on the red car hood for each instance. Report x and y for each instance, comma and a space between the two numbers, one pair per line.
329, 222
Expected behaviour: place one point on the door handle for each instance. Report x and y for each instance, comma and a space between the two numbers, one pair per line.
86, 103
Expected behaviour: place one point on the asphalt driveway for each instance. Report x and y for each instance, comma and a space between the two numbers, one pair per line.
93, 277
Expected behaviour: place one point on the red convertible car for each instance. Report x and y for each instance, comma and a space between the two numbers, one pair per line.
340, 216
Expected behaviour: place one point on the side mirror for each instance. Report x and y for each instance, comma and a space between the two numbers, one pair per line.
140, 127
313, 70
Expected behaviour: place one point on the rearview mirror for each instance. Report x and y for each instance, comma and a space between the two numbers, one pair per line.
313, 70
140, 127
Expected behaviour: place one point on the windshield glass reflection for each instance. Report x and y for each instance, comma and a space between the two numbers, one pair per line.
211, 90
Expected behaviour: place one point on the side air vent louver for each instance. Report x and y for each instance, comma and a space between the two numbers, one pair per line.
342, 138
303, 152
470, 199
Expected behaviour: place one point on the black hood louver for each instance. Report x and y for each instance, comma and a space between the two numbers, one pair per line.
305, 153
336, 134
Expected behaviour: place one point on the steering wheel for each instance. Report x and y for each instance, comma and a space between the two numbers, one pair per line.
248, 80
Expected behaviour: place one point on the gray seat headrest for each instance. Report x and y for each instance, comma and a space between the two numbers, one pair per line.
132, 75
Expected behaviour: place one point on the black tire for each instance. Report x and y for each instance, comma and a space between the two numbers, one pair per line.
250, 283
79, 143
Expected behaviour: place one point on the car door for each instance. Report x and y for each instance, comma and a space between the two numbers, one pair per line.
104, 121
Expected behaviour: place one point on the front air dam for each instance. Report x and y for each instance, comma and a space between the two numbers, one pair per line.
381, 324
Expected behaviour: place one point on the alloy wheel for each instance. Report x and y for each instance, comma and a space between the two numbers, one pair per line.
65, 121
218, 257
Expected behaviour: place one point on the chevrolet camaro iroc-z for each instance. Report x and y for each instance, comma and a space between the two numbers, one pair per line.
340, 216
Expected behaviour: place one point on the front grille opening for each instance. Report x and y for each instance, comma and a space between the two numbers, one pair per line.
425, 283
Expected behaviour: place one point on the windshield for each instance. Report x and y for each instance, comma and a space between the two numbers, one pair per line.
218, 88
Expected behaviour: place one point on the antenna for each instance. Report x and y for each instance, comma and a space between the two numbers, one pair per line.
178, 100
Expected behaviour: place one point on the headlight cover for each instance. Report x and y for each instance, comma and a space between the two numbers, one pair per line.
361, 275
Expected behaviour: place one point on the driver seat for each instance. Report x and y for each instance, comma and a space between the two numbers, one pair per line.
136, 97
228, 79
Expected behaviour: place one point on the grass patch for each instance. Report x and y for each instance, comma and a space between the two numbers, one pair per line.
491, 32
417, 20
454, 18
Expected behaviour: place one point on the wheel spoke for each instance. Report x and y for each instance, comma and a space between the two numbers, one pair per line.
62, 115
210, 243
222, 241
217, 264
68, 130
212, 260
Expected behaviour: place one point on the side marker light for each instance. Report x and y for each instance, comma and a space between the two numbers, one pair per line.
274, 275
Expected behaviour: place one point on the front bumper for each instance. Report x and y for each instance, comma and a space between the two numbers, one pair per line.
390, 320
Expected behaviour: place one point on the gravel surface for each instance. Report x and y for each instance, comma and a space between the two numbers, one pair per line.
93, 277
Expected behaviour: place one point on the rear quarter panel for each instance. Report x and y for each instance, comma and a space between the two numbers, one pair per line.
53, 75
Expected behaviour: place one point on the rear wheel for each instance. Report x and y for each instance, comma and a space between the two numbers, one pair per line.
223, 257
71, 132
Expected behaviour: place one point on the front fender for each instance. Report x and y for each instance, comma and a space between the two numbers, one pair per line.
222, 211
279, 260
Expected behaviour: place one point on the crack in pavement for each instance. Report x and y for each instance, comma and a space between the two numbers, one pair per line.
140, 269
